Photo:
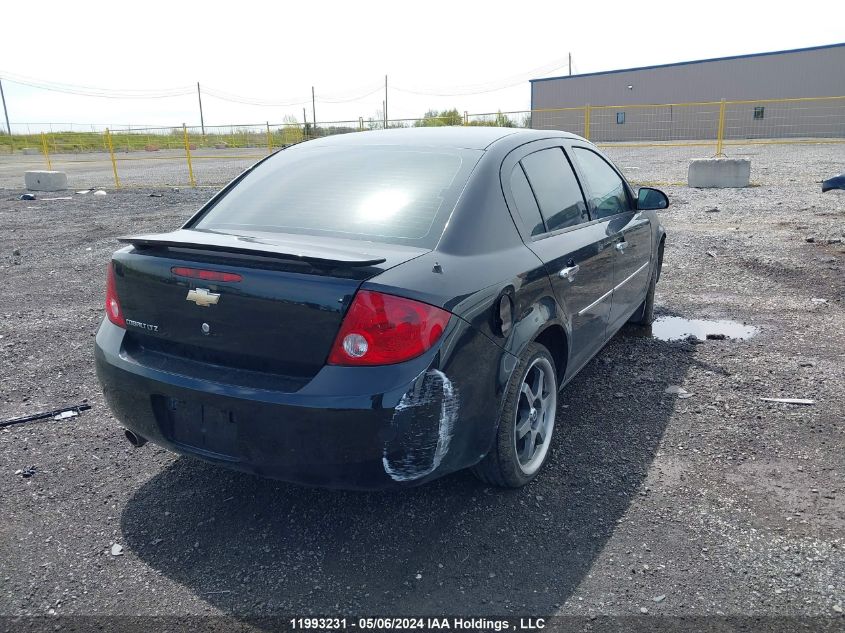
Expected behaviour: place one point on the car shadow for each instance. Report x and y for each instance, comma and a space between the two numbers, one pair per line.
252, 547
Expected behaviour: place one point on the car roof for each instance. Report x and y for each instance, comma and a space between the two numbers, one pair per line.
465, 137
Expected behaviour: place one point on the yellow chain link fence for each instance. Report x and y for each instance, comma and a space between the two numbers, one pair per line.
212, 155
720, 123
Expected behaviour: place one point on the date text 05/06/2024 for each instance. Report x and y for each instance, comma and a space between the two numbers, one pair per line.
418, 624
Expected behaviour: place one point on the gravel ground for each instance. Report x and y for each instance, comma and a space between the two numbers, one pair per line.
719, 503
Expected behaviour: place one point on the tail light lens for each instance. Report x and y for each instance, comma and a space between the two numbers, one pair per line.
381, 329
113, 309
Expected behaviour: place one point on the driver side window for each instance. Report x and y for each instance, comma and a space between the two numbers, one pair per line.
606, 187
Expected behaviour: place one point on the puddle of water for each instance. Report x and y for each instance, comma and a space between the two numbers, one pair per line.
677, 328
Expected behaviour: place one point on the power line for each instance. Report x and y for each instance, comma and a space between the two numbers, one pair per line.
371, 91
233, 98
490, 86
305, 100
162, 93
348, 96
91, 91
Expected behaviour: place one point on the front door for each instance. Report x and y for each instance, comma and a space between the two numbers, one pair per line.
631, 269
580, 266
630, 230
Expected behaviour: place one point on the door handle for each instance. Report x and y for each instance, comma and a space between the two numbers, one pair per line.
569, 273
621, 246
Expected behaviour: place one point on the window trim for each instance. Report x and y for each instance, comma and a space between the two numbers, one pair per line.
543, 145
533, 194
572, 227
629, 193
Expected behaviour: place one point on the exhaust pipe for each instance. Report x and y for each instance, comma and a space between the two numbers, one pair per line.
136, 440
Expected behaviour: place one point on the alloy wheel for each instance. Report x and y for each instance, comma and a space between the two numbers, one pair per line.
535, 415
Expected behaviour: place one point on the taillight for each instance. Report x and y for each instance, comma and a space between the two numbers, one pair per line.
205, 275
113, 310
381, 329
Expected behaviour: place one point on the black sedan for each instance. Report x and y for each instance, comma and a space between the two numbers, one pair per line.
379, 309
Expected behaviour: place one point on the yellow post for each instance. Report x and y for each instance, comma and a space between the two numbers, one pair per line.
269, 139
188, 156
587, 121
46, 151
720, 134
113, 160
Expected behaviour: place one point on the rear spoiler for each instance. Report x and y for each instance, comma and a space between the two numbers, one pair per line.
281, 248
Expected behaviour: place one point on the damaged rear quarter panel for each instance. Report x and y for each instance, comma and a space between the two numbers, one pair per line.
424, 421
446, 419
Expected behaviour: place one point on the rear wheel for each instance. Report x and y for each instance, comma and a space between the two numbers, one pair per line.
526, 423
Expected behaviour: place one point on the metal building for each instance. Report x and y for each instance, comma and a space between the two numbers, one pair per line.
768, 95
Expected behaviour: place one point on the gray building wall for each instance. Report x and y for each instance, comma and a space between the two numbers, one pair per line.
814, 72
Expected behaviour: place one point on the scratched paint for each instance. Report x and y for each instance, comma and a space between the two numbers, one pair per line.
423, 424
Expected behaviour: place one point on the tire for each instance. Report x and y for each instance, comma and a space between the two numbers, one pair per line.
644, 315
511, 462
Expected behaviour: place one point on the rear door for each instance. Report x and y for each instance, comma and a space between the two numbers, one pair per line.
541, 185
610, 200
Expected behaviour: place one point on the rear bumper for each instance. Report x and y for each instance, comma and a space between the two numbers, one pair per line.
358, 428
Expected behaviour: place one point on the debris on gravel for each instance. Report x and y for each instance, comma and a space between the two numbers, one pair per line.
804, 401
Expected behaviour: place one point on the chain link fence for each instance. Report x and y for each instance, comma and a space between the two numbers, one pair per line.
212, 155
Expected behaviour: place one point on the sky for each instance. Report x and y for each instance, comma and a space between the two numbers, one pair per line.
478, 55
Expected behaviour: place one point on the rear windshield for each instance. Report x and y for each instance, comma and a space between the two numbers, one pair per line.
387, 194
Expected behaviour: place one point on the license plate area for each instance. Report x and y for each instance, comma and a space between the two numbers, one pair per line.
203, 427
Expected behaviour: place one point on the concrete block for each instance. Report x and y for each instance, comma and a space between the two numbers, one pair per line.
45, 180
719, 172
31, 151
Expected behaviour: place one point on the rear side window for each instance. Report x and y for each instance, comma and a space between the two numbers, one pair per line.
556, 188
381, 193
526, 205
606, 187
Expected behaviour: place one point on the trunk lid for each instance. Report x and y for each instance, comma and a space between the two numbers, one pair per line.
280, 318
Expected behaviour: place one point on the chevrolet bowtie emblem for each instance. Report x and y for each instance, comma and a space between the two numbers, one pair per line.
203, 297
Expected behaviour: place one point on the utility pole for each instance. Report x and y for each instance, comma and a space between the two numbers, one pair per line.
202, 121
313, 109
570, 64
5, 111
385, 102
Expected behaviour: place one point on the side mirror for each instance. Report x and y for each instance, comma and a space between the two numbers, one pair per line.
649, 199
837, 182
